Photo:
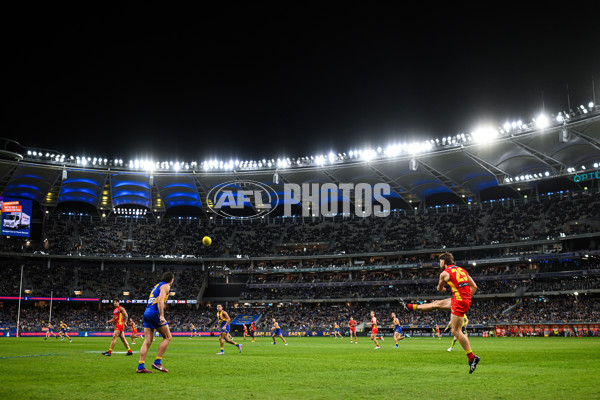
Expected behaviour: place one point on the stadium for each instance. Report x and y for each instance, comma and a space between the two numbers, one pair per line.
300, 203
522, 220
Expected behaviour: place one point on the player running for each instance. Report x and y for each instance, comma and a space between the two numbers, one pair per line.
154, 319
63, 332
463, 287
194, 332
224, 320
374, 330
336, 333
245, 331
463, 329
134, 332
352, 328
277, 332
397, 330
436, 331
252, 329
120, 318
50, 331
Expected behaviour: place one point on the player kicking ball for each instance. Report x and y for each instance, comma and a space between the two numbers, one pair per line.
463, 287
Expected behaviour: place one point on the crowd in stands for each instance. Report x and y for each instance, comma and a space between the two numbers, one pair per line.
95, 281
315, 317
509, 221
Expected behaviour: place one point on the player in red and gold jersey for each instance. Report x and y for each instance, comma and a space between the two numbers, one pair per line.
252, 330
120, 320
352, 327
463, 287
134, 332
374, 330
245, 331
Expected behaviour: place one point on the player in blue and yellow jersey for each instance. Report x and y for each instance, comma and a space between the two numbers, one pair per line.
154, 319
277, 332
224, 336
397, 329
193, 329
50, 331
63, 332
336, 331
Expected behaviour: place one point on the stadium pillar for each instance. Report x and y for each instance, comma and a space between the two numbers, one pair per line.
19, 308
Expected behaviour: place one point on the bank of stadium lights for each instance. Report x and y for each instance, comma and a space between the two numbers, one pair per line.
133, 212
481, 135
527, 177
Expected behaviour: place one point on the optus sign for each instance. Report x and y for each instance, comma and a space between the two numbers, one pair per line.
590, 176
242, 199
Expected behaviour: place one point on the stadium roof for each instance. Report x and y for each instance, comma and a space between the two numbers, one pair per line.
459, 170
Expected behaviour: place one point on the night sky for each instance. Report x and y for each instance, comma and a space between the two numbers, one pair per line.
256, 82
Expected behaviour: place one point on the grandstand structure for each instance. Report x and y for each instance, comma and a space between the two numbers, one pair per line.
518, 206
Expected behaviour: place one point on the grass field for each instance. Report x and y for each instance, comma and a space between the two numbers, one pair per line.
309, 368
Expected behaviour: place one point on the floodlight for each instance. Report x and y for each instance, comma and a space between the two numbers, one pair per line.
542, 121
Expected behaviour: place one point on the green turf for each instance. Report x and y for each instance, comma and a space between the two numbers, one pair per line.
309, 368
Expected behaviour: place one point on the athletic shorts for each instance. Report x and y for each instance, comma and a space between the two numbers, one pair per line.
460, 308
134, 331
224, 327
119, 328
337, 330
353, 330
374, 331
152, 319
278, 332
398, 329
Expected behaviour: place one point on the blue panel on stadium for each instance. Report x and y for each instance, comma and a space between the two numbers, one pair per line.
178, 190
132, 183
131, 189
67, 190
83, 186
31, 182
